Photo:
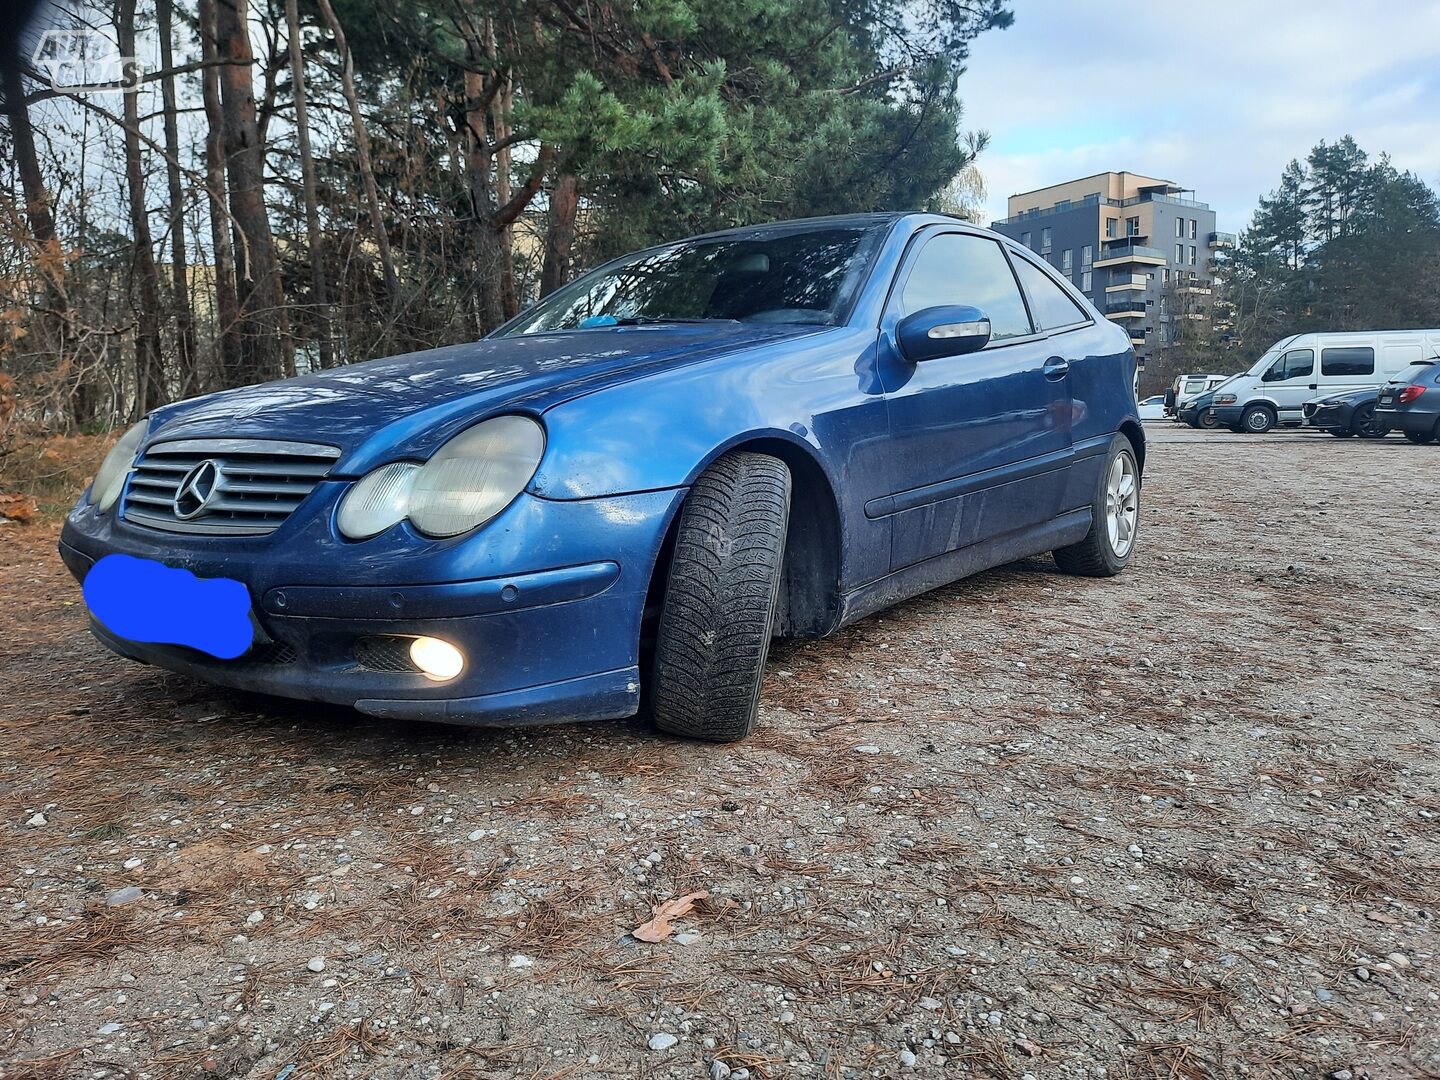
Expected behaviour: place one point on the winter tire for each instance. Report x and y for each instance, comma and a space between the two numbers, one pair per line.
720, 598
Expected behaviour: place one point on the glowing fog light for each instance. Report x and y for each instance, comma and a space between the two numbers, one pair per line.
438, 660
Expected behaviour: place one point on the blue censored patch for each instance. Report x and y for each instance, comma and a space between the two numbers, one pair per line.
143, 600
590, 322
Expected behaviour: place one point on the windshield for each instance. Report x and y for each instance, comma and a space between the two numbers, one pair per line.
803, 277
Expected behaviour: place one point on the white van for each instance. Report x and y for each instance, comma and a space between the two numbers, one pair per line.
1307, 366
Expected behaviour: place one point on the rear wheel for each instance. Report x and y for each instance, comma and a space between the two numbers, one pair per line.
1420, 438
1257, 420
1365, 423
720, 597
1115, 518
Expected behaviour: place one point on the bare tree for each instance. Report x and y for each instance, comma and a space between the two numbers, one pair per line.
227, 304
263, 340
186, 359
362, 153
318, 283
145, 276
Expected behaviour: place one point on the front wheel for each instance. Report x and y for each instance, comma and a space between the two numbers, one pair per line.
1365, 424
720, 598
1115, 518
1257, 420
1208, 421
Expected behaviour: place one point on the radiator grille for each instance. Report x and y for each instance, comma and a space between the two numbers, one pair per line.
248, 489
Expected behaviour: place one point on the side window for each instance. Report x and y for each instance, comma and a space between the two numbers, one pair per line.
1050, 306
1348, 361
1292, 365
956, 269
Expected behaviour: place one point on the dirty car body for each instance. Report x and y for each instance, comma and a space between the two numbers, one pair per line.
905, 475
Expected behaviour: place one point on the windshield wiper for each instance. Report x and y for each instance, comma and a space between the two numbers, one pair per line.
651, 320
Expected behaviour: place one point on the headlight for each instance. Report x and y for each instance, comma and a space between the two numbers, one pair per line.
1224, 399
110, 478
467, 482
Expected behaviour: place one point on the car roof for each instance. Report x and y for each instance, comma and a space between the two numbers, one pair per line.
844, 221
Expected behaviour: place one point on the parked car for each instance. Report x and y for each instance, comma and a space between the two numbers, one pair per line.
1303, 367
1344, 415
1189, 387
1197, 412
1411, 401
631, 484
1153, 407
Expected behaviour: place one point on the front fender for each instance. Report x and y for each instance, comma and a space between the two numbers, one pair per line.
662, 431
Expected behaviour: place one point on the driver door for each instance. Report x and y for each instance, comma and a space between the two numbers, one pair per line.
1287, 382
980, 443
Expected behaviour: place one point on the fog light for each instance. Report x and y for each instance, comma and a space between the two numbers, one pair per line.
439, 660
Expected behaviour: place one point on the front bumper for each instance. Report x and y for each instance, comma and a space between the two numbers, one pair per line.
1228, 415
545, 601
1328, 417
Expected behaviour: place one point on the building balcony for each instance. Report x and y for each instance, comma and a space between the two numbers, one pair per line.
1126, 309
1223, 240
1130, 253
1137, 283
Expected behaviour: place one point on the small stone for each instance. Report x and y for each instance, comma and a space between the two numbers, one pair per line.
1399, 959
1363, 974
132, 864
107, 1029
787, 1017
520, 960
1324, 995
662, 1040
868, 748
1341, 1074
686, 937
907, 1059
719, 1070
931, 1004
255, 918
476, 835
123, 896
316, 964
38, 819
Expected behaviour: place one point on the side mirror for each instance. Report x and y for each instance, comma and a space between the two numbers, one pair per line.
949, 330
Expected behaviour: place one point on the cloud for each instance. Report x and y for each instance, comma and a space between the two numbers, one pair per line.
1217, 97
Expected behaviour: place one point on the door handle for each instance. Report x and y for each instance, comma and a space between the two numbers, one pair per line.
1055, 368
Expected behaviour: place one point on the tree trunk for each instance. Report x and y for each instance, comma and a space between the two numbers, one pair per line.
227, 305
318, 285
560, 234
186, 360
500, 131
362, 150
257, 270
149, 366
487, 252
54, 335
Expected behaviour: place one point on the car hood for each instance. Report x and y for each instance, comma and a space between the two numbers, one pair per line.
408, 404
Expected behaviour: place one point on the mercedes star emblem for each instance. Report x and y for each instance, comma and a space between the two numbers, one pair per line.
197, 489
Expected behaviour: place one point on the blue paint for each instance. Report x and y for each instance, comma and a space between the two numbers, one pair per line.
143, 600
906, 475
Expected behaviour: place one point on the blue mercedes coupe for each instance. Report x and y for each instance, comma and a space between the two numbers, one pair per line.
622, 494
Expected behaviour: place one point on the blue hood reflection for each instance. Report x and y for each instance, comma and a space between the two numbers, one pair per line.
441, 390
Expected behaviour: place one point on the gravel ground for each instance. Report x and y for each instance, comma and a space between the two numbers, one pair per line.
1182, 823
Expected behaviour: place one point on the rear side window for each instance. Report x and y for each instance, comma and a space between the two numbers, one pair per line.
1050, 307
953, 268
1347, 361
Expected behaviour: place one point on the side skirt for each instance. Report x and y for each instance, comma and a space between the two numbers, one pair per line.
1068, 528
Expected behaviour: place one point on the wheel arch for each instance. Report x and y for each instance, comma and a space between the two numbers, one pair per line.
810, 587
1132, 430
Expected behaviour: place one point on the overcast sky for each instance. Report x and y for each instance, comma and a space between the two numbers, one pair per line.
1217, 96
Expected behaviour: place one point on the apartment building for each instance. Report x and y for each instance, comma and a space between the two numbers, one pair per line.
1137, 246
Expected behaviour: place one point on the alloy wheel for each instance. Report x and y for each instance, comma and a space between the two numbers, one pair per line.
1122, 504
